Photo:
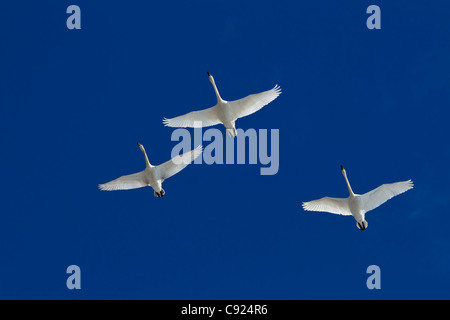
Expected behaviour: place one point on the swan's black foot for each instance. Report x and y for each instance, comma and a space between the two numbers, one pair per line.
160, 194
362, 225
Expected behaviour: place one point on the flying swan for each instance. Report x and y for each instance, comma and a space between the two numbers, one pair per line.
153, 175
357, 205
225, 112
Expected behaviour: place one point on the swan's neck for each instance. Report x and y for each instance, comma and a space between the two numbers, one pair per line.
348, 184
146, 159
219, 98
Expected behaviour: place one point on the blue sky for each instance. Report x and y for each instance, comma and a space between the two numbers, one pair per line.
73, 104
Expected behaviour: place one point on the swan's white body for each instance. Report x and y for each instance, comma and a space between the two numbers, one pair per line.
225, 112
358, 205
153, 176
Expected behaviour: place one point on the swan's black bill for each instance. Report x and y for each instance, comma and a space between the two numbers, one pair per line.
342, 168
208, 74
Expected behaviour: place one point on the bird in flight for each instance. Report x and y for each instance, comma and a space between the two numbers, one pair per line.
358, 205
153, 176
225, 112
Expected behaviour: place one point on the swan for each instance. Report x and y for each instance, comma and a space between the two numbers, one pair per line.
225, 112
153, 175
357, 205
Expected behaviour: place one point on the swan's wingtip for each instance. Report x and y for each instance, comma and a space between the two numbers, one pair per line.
165, 121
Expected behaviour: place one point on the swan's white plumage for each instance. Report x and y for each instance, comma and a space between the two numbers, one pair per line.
178, 163
225, 112
195, 119
327, 204
383, 193
252, 103
131, 181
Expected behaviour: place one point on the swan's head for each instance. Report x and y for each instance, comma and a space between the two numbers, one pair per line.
362, 225
210, 77
141, 146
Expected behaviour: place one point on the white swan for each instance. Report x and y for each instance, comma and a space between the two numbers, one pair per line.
357, 205
153, 175
225, 112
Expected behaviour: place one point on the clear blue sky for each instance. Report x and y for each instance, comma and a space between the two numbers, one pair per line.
73, 104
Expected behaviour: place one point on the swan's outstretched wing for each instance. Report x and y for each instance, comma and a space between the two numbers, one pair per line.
383, 193
178, 163
252, 103
327, 204
131, 181
195, 119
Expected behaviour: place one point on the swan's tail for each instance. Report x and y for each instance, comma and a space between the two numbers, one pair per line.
232, 132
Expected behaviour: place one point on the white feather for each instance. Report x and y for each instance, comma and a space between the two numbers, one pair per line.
131, 181
194, 119
383, 193
327, 204
178, 163
252, 103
